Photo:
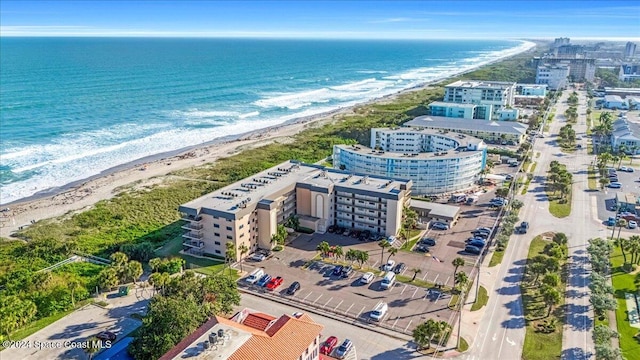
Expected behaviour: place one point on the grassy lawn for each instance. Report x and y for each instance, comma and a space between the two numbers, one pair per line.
464, 345
593, 183
417, 282
204, 266
557, 208
538, 345
496, 258
482, 300
413, 239
533, 167
624, 283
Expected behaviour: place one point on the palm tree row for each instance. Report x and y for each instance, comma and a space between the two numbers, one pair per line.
599, 251
337, 252
630, 246
546, 266
561, 180
571, 114
567, 135
430, 330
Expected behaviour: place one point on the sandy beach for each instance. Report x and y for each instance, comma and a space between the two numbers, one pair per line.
81, 196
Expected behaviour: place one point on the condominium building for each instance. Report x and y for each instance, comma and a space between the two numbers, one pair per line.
629, 50
561, 41
554, 76
462, 111
496, 95
580, 69
625, 136
531, 89
248, 212
435, 162
251, 335
629, 72
492, 132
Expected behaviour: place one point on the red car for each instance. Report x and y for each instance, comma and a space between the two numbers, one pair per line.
328, 345
274, 283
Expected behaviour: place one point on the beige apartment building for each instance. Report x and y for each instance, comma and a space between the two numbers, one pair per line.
249, 211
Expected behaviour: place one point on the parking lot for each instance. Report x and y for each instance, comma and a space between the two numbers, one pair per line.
409, 305
606, 199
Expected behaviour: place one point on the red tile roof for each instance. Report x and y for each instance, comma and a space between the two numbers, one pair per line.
258, 321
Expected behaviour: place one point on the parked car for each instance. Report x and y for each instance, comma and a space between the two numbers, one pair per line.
264, 280
258, 257
295, 286
337, 270
477, 243
344, 349
331, 229
346, 271
389, 265
481, 235
615, 185
474, 239
632, 224
626, 169
378, 312
422, 248
399, 268
428, 241
346, 232
484, 229
106, 336
367, 278
274, 283
439, 226
328, 345
508, 177
611, 221
472, 249
522, 229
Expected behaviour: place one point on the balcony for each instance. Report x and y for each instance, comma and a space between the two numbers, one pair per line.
191, 218
192, 226
193, 244
192, 235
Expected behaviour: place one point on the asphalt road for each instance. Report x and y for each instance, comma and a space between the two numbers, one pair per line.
502, 329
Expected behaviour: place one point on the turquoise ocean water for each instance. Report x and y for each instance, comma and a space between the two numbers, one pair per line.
71, 108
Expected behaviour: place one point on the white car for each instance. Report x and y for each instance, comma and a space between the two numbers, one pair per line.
367, 278
258, 257
389, 265
632, 224
624, 168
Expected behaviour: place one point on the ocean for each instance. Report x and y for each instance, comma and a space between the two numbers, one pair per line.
71, 108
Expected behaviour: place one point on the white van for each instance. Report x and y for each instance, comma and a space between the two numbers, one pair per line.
378, 312
254, 276
388, 280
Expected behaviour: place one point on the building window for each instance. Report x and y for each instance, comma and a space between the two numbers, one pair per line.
217, 226
241, 226
216, 234
229, 228
217, 242
242, 235
217, 252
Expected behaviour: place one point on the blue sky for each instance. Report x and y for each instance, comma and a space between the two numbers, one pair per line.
326, 19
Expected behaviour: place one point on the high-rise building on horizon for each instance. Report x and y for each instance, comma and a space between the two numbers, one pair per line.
630, 50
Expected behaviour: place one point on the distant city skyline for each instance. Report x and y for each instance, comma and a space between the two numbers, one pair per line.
615, 20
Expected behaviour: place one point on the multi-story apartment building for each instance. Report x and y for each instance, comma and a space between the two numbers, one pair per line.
435, 162
580, 69
495, 95
561, 41
251, 335
629, 72
492, 132
249, 211
554, 76
462, 111
629, 50
531, 89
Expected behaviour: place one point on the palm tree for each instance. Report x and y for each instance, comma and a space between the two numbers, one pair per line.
461, 279
93, 347
324, 248
362, 257
415, 271
424, 333
338, 252
243, 250
383, 245
551, 297
621, 223
392, 252
457, 262
351, 255
229, 254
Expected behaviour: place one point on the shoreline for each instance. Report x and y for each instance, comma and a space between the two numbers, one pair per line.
81, 194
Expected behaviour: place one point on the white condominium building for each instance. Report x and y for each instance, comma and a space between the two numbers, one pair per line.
435, 162
554, 76
496, 95
248, 212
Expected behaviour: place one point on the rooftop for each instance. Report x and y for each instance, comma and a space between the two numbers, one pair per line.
436, 209
613, 98
453, 124
267, 186
450, 104
285, 338
501, 85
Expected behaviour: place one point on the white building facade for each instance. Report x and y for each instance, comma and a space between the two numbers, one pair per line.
434, 162
494, 95
554, 76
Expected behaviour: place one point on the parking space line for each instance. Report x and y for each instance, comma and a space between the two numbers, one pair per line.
414, 293
395, 322
374, 264
409, 324
328, 301
341, 301
346, 312
403, 289
425, 276
314, 302
446, 282
361, 310
305, 298
404, 271
436, 278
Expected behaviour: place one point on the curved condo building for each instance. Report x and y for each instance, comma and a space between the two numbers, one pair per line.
435, 161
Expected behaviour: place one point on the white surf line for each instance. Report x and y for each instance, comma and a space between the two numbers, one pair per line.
327, 303
425, 276
346, 312
361, 310
314, 302
341, 301
409, 324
